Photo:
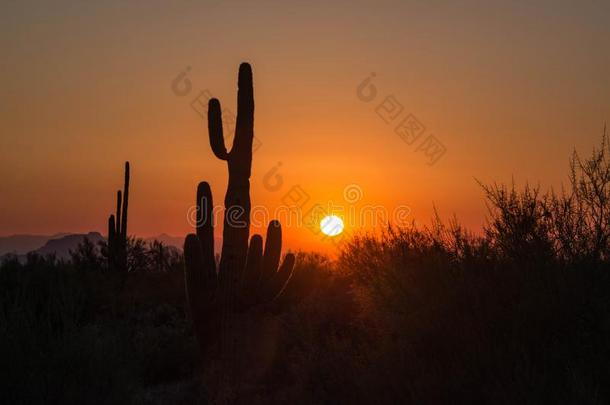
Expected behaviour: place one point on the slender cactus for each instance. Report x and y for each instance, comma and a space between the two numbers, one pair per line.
117, 229
248, 276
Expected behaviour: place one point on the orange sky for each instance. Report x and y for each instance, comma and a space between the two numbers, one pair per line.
509, 90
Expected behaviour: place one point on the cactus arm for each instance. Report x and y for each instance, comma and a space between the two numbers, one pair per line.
280, 279
200, 281
200, 290
273, 249
252, 271
250, 277
123, 222
200, 268
271, 288
194, 276
205, 226
111, 231
117, 223
217, 141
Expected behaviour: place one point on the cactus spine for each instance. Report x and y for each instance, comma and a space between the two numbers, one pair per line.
117, 229
247, 275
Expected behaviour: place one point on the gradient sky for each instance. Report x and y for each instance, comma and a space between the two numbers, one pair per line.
509, 88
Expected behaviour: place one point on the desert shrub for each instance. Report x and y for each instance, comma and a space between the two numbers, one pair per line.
448, 330
572, 226
52, 351
142, 256
518, 225
72, 336
87, 256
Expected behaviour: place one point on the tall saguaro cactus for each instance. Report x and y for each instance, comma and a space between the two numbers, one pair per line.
239, 160
117, 229
248, 275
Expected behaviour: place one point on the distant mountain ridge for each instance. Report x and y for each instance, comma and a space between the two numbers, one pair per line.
22, 244
61, 247
61, 243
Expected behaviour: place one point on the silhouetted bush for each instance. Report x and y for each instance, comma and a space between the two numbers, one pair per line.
71, 336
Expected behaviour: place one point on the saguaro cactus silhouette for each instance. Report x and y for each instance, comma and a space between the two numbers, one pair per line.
117, 229
248, 275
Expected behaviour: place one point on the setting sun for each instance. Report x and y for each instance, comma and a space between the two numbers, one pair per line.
331, 225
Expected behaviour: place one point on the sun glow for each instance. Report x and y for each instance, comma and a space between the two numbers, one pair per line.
331, 225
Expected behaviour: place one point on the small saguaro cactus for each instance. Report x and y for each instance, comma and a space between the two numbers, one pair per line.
248, 275
117, 229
